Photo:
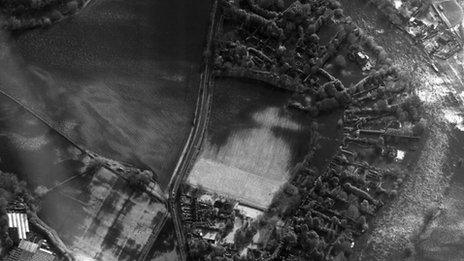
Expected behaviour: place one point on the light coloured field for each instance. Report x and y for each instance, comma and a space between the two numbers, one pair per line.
258, 149
106, 221
232, 182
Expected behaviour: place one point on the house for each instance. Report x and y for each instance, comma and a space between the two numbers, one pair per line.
364, 60
211, 236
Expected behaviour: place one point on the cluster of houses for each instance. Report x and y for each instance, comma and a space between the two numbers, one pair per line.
28, 246
217, 220
438, 31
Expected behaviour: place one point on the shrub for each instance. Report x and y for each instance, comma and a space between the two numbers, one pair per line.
340, 61
55, 16
419, 127
330, 89
71, 7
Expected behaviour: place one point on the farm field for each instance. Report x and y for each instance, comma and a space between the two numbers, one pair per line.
120, 77
32, 150
253, 142
89, 213
100, 218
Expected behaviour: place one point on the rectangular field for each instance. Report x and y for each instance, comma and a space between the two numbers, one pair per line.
232, 182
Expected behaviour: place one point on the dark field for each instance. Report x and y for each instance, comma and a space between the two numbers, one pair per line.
96, 216
165, 245
119, 78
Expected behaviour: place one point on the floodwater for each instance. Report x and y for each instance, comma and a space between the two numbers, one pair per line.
120, 77
254, 141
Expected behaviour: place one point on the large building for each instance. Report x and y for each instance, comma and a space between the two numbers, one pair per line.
29, 251
18, 222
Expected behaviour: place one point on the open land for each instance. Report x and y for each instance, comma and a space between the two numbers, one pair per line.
119, 78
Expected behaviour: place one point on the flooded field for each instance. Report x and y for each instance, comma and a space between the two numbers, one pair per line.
119, 78
100, 218
253, 142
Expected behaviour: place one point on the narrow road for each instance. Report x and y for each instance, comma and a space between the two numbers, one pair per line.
193, 147
195, 139
153, 237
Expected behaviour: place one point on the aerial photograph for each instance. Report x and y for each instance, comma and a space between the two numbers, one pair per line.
232, 130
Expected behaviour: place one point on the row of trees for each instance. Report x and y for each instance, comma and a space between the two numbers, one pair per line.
27, 14
29, 7
386, 6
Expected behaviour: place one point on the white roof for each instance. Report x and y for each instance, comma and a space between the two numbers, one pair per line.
210, 236
400, 154
19, 221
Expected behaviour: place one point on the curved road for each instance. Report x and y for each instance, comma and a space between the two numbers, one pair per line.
195, 139
192, 148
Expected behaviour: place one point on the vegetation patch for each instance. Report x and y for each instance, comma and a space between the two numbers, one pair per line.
28, 14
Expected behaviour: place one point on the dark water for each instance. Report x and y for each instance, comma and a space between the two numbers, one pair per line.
120, 77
